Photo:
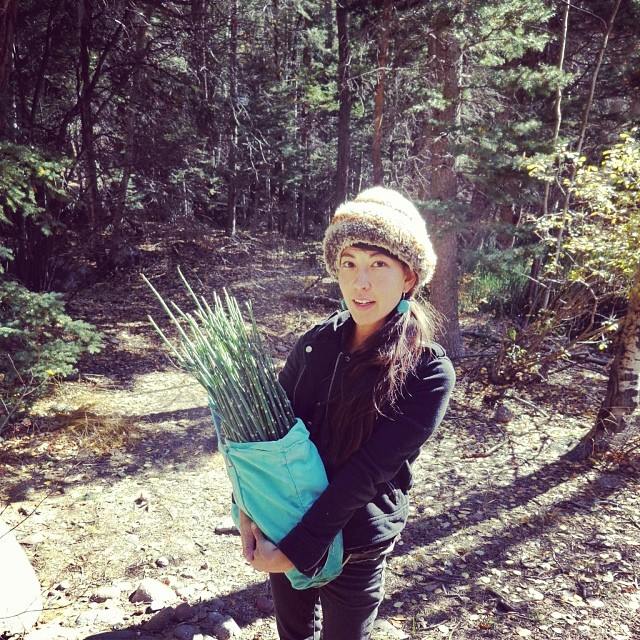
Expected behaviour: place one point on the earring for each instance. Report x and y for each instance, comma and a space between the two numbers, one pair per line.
343, 305
404, 305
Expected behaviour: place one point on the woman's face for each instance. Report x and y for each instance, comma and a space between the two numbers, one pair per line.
372, 284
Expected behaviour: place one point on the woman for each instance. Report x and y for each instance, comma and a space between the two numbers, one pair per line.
371, 386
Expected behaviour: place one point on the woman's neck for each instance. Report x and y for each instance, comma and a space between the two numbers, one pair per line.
357, 338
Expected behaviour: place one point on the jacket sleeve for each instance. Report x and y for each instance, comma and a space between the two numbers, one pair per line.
392, 442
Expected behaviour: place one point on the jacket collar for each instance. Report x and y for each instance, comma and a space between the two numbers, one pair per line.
336, 328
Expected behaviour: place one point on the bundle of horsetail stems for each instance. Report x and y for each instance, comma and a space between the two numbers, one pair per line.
227, 357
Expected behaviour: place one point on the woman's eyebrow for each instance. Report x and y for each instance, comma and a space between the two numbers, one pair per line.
346, 254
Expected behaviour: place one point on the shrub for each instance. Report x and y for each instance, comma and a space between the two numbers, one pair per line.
38, 342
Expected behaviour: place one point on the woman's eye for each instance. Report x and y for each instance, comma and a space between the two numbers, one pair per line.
346, 264
380, 263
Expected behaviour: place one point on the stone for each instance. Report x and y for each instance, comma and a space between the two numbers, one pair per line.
152, 590
227, 628
161, 620
523, 633
48, 632
185, 631
65, 585
503, 414
184, 611
33, 539
20, 596
162, 562
156, 605
108, 617
214, 618
214, 604
265, 605
102, 594
384, 630
535, 595
226, 526
143, 498
118, 634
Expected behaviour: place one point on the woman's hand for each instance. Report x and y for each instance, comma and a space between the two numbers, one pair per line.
247, 537
266, 556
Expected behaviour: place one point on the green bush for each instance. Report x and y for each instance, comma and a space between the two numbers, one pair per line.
38, 343
495, 280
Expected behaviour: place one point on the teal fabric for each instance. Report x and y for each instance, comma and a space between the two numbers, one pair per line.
274, 483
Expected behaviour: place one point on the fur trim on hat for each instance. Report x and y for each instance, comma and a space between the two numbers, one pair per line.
384, 218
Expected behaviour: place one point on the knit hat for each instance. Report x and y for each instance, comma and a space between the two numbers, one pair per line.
384, 218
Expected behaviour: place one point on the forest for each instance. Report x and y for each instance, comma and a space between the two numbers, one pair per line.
137, 137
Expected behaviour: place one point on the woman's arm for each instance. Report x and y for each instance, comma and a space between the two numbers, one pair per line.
392, 442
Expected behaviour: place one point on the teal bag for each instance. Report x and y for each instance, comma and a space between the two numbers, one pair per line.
275, 482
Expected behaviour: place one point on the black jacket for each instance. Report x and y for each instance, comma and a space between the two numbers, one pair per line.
367, 495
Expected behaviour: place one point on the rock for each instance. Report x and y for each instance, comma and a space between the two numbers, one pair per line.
118, 634
102, 594
143, 499
162, 562
595, 603
226, 526
503, 414
184, 611
214, 604
535, 595
213, 619
151, 590
20, 597
65, 585
185, 631
226, 628
265, 605
523, 633
384, 630
108, 617
33, 539
48, 632
161, 620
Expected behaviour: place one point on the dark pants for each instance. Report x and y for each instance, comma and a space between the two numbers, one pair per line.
349, 603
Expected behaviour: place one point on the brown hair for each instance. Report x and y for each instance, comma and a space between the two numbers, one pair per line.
374, 380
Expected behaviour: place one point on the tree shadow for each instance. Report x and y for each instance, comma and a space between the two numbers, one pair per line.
240, 605
487, 503
492, 553
106, 448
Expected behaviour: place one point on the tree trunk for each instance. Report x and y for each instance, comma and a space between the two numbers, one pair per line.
305, 127
581, 139
141, 23
42, 67
233, 118
445, 58
619, 417
7, 34
198, 14
344, 97
88, 155
384, 22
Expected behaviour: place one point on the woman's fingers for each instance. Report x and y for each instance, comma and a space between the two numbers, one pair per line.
257, 534
247, 537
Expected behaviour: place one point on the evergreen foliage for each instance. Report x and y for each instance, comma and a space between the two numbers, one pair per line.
38, 343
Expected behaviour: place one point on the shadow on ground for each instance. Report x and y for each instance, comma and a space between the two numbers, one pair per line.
492, 554
105, 448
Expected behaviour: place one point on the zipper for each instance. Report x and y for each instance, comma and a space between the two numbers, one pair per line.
295, 388
347, 357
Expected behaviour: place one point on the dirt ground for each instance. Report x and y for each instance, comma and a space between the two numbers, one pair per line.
116, 478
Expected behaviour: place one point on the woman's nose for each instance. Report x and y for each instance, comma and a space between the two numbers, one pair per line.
362, 278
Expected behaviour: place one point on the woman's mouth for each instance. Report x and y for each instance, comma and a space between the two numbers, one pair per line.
364, 303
